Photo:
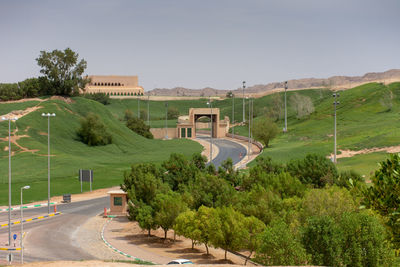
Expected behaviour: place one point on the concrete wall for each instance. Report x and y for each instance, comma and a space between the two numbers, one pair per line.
159, 133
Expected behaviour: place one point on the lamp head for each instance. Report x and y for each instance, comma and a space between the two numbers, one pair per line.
26, 187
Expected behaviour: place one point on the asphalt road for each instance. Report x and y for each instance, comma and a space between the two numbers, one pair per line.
55, 238
227, 149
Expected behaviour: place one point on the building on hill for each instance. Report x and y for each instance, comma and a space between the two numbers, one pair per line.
114, 85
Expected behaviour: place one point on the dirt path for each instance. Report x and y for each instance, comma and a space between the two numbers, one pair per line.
352, 153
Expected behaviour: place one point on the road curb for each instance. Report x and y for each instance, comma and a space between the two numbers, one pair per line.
111, 246
28, 207
10, 249
32, 219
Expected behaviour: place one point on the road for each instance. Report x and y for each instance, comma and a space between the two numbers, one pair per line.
227, 149
55, 238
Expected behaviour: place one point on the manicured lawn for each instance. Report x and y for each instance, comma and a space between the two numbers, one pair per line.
69, 154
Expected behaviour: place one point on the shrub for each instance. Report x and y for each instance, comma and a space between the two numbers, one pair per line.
99, 97
138, 126
93, 132
172, 113
314, 169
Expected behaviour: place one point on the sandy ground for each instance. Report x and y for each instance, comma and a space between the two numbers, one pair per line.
94, 264
351, 153
129, 238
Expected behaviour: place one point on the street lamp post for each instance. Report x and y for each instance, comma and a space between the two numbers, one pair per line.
166, 116
48, 115
249, 122
244, 86
233, 115
148, 110
211, 137
285, 129
22, 226
9, 176
335, 103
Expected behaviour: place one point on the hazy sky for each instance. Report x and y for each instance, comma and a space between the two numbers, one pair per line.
204, 43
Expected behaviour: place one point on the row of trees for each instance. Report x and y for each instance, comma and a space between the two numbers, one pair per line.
303, 212
62, 75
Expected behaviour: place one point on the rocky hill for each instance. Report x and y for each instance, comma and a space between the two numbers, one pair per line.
334, 82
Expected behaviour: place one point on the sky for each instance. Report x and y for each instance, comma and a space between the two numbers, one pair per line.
203, 43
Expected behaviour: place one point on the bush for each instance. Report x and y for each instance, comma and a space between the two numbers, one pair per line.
93, 132
139, 127
172, 113
314, 169
279, 246
99, 97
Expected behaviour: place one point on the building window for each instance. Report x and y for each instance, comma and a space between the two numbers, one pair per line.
117, 201
189, 132
183, 132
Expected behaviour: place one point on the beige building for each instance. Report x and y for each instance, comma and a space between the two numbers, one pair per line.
114, 85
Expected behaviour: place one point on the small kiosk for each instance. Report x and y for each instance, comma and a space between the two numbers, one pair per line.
118, 202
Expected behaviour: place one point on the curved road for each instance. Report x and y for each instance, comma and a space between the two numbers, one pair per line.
55, 238
227, 149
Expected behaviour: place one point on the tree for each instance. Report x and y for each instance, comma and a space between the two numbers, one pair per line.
208, 224
275, 111
93, 131
62, 71
168, 206
322, 238
128, 114
264, 130
186, 224
199, 161
252, 240
228, 172
279, 246
230, 94
30, 87
138, 126
232, 233
172, 113
384, 194
314, 169
179, 171
303, 105
146, 218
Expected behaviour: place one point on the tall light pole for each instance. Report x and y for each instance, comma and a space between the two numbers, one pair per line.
335, 103
249, 125
148, 110
244, 86
211, 137
166, 116
285, 129
9, 176
138, 107
233, 115
48, 115
22, 226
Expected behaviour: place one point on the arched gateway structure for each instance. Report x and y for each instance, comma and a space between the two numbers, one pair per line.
186, 127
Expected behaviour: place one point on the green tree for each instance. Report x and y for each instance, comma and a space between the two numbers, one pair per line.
180, 171
138, 126
128, 114
232, 233
322, 238
228, 172
172, 113
252, 240
168, 206
146, 218
384, 194
230, 94
199, 161
93, 132
62, 71
186, 224
99, 97
303, 105
264, 130
279, 246
30, 87
314, 169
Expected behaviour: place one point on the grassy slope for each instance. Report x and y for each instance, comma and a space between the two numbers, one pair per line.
69, 154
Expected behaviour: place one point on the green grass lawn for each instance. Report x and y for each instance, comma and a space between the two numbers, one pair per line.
69, 154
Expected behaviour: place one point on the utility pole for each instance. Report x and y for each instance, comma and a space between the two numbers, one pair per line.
166, 116
148, 110
233, 115
285, 129
335, 103
244, 86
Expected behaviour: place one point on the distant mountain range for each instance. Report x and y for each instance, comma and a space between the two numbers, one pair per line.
334, 82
